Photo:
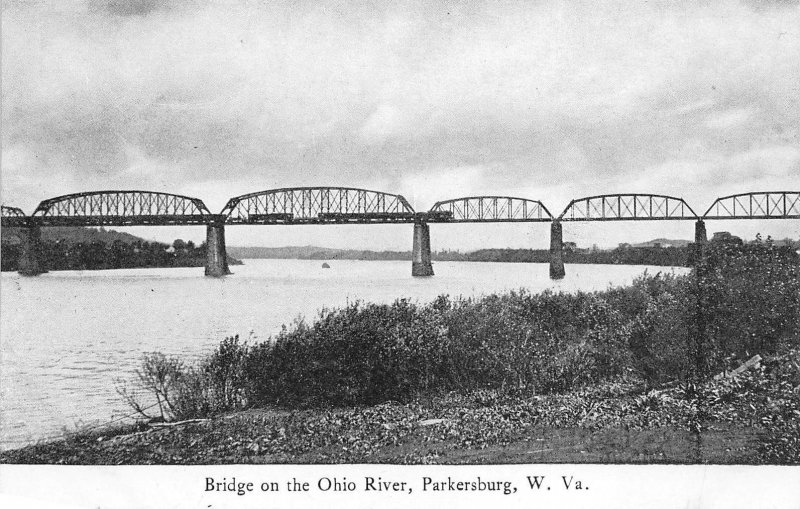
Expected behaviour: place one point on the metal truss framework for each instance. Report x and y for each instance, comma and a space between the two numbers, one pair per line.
341, 205
763, 205
13, 217
121, 208
627, 207
318, 205
489, 209
12, 211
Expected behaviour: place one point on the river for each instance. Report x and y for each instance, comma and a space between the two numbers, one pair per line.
66, 336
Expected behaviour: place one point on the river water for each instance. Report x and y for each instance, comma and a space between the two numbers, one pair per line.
65, 337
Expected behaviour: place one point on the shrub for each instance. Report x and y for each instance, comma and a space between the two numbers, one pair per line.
216, 385
369, 353
747, 301
659, 318
358, 354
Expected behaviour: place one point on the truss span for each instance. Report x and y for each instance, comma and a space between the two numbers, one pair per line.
764, 205
13, 217
121, 208
318, 205
12, 211
490, 209
627, 207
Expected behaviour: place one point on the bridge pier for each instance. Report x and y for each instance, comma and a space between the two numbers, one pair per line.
700, 236
700, 240
216, 257
30, 258
421, 255
556, 250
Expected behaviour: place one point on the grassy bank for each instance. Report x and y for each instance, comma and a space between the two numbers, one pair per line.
500, 371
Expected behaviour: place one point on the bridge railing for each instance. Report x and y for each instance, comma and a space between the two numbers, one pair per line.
627, 207
760, 205
318, 205
489, 209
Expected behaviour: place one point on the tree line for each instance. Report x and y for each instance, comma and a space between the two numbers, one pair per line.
97, 255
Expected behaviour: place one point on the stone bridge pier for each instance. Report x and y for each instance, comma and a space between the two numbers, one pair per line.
216, 256
700, 239
556, 250
700, 236
421, 255
30, 258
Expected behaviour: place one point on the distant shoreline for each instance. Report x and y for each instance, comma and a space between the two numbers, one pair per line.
659, 256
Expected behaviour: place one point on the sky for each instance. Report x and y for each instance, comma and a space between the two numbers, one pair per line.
432, 100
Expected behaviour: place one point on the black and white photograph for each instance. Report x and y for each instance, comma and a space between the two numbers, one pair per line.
361, 254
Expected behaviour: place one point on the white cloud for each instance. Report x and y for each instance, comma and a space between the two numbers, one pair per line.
424, 189
769, 161
730, 119
382, 124
426, 99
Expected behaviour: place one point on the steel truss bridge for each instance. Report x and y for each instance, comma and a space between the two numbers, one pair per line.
318, 205
121, 208
774, 205
13, 217
490, 209
627, 207
343, 205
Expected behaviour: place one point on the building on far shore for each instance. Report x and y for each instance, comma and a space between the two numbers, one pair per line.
726, 237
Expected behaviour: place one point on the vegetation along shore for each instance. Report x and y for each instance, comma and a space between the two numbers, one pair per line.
636, 374
79, 248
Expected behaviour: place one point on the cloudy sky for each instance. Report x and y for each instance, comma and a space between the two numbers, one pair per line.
431, 100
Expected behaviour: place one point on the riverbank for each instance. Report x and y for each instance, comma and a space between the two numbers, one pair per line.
729, 421
449, 380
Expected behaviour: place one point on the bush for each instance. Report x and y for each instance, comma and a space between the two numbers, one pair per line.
159, 376
658, 314
369, 353
185, 392
359, 354
748, 302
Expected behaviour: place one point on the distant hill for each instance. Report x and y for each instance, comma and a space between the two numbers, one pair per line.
280, 252
73, 235
671, 256
664, 243
488, 254
329, 253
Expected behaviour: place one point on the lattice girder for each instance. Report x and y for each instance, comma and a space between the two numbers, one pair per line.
491, 209
317, 205
627, 207
12, 217
760, 205
11, 211
122, 208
